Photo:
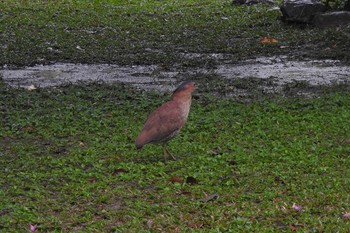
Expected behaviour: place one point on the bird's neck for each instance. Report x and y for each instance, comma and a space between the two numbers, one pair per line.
185, 104
182, 99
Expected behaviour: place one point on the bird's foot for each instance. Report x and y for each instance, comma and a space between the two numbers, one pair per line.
172, 156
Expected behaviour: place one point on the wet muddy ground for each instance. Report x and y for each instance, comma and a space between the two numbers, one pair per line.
269, 74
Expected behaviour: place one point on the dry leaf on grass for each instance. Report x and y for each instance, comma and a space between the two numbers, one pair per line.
268, 40
176, 179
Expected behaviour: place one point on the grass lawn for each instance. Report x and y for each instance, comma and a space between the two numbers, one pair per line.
68, 163
67, 158
149, 32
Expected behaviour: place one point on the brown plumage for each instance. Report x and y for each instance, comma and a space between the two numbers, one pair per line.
166, 121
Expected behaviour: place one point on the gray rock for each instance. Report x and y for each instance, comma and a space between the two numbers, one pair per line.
329, 19
347, 6
301, 11
238, 2
251, 2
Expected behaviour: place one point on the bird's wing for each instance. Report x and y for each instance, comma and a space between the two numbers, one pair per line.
162, 123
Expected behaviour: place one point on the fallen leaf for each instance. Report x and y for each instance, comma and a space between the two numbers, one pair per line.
295, 227
297, 207
31, 88
195, 225
232, 162
292, 227
268, 40
92, 179
112, 225
216, 151
118, 171
191, 180
185, 193
280, 224
150, 223
347, 140
346, 215
279, 180
28, 129
185, 217
81, 144
209, 197
32, 228
176, 179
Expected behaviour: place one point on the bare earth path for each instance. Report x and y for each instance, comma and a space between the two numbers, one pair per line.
280, 70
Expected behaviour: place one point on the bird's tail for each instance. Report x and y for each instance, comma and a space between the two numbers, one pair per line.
139, 143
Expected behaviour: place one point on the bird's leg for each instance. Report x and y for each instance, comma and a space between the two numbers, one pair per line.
172, 156
166, 153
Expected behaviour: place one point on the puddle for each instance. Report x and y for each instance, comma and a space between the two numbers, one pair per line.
282, 70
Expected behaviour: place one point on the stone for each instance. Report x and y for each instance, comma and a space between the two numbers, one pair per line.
238, 2
347, 6
251, 2
336, 18
301, 11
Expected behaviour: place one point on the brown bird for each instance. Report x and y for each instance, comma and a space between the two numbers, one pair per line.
166, 121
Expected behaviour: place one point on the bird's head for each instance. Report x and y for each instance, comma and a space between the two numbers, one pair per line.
185, 88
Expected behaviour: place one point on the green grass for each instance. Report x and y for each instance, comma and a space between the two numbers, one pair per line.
68, 163
149, 32
67, 158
